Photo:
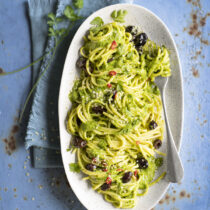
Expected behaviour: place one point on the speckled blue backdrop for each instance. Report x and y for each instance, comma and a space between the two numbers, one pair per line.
23, 188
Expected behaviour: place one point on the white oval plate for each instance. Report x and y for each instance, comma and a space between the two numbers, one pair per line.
156, 31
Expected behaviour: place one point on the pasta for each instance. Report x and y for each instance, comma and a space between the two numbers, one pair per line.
116, 114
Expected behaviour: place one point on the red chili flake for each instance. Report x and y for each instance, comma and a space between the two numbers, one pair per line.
105, 169
94, 160
112, 73
119, 169
109, 85
108, 180
135, 173
137, 142
114, 45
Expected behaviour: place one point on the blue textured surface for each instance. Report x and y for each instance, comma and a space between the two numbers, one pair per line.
23, 188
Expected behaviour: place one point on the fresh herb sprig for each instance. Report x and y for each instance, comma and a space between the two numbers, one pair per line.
71, 15
74, 167
118, 16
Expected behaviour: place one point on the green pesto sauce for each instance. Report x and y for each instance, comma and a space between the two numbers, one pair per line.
147, 175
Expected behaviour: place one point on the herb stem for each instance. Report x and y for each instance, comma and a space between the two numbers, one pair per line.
36, 83
31, 64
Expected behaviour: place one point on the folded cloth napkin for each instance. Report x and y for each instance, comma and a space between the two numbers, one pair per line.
42, 131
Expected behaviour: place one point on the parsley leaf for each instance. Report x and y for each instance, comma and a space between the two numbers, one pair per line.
102, 144
70, 14
159, 162
97, 21
118, 16
119, 86
74, 167
78, 3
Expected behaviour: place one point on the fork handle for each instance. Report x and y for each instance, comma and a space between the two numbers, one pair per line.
175, 171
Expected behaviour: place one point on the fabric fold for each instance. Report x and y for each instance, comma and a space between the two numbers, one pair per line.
42, 131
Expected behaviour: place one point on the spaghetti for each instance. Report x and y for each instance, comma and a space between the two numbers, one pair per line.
116, 113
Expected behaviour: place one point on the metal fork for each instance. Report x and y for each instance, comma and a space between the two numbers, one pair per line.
175, 169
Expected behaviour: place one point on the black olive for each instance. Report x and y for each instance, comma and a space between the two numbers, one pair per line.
105, 186
90, 167
81, 63
131, 29
78, 142
152, 125
140, 39
157, 143
79, 122
142, 162
127, 177
99, 109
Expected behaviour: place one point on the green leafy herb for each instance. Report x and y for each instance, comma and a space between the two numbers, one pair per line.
159, 162
68, 150
102, 144
97, 21
74, 167
130, 126
118, 16
89, 126
78, 3
119, 86
70, 14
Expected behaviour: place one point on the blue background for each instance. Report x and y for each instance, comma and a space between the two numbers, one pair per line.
23, 187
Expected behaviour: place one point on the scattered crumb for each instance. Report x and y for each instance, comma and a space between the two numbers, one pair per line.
10, 141
182, 194
5, 189
14, 189
198, 21
161, 201
25, 198
40, 187
195, 72
9, 165
32, 198
167, 197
